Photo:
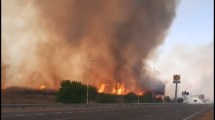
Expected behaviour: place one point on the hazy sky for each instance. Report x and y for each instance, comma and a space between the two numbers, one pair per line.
188, 49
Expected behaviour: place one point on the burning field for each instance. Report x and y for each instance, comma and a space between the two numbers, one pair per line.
46, 41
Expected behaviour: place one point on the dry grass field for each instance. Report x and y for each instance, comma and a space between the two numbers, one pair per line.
20, 95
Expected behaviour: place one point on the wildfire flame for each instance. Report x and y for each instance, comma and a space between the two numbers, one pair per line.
140, 93
119, 89
101, 88
116, 89
42, 87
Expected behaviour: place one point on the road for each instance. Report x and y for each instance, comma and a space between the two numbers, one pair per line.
109, 112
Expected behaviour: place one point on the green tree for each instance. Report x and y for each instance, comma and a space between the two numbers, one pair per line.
71, 92
180, 100
92, 92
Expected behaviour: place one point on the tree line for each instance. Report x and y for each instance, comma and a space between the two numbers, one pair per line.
75, 92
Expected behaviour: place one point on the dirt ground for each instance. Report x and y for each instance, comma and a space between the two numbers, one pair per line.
207, 115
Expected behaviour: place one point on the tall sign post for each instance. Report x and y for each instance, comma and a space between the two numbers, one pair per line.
176, 80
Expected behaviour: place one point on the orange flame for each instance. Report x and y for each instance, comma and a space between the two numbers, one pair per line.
101, 88
119, 89
140, 93
42, 87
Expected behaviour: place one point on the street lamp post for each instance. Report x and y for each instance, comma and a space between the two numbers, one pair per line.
138, 99
126, 76
87, 79
153, 93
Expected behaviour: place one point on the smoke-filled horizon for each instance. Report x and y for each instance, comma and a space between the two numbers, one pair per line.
54, 40
193, 63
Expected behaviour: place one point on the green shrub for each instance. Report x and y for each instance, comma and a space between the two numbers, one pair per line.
180, 100
71, 92
130, 97
92, 92
167, 99
105, 98
74, 92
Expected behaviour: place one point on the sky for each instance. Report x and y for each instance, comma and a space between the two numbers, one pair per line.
193, 24
191, 33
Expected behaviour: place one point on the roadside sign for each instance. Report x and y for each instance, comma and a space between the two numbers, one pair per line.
176, 78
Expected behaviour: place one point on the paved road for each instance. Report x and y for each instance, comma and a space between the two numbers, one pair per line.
122, 112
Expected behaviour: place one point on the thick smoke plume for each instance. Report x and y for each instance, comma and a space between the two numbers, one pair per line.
119, 35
